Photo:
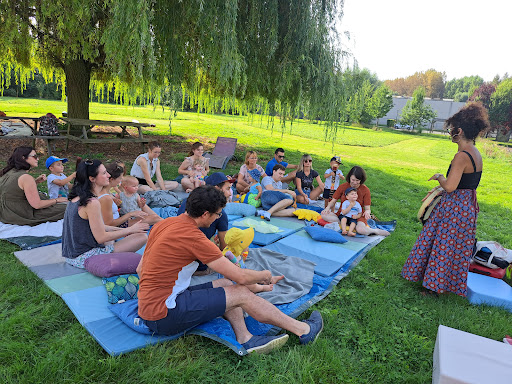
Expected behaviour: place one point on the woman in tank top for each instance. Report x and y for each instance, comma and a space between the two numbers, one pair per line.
442, 253
84, 233
147, 166
186, 168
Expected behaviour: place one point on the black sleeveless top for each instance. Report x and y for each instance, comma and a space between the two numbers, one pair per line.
468, 180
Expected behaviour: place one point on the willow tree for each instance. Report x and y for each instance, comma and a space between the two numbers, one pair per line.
237, 51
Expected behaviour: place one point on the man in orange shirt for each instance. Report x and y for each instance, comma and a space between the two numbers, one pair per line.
169, 305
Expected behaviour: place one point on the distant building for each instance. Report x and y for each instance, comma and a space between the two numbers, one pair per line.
444, 108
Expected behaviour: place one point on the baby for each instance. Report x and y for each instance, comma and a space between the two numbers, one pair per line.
58, 183
237, 249
351, 210
199, 174
255, 189
332, 179
132, 201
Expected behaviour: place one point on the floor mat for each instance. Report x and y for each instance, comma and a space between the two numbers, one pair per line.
87, 298
286, 227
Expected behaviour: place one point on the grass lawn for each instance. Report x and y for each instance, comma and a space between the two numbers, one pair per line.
378, 328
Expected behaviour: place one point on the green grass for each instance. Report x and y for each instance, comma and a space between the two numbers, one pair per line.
378, 327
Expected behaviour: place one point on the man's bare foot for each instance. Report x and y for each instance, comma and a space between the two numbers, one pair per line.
276, 279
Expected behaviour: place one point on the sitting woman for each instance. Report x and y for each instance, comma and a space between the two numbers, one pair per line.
442, 253
147, 166
84, 233
187, 167
304, 181
243, 184
20, 201
355, 179
109, 209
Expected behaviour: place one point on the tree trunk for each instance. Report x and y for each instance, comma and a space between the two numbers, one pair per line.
78, 76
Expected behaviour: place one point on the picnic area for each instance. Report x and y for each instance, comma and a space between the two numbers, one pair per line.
378, 327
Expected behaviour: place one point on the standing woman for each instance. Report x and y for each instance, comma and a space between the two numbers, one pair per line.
244, 181
304, 181
186, 168
147, 166
443, 250
84, 233
20, 202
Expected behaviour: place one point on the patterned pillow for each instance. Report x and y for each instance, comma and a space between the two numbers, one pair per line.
121, 288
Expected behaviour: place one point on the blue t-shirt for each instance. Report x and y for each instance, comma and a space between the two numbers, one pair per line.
221, 224
270, 166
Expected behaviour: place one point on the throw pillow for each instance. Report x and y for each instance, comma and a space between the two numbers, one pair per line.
323, 234
112, 264
121, 288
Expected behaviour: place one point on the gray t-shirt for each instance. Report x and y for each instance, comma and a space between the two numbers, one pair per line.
268, 180
55, 191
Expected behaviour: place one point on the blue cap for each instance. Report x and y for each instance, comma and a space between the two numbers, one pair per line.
216, 179
53, 159
349, 189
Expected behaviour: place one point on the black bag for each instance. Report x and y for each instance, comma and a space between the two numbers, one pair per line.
48, 125
484, 257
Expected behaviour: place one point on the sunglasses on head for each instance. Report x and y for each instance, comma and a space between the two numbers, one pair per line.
88, 162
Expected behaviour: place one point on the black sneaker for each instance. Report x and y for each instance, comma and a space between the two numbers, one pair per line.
264, 344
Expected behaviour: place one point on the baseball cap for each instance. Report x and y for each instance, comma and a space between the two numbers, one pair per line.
350, 189
53, 159
216, 179
336, 159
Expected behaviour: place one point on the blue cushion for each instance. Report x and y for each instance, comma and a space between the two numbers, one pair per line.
240, 209
128, 312
325, 234
121, 288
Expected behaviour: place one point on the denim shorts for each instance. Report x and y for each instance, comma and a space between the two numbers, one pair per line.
194, 306
271, 198
307, 191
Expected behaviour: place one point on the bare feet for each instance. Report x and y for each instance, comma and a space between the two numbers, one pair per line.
351, 234
382, 232
344, 232
255, 288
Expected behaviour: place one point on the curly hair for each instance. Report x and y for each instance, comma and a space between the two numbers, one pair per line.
472, 119
18, 160
358, 173
203, 199
83, 186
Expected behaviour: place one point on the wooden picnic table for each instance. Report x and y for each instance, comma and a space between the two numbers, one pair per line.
124, 136
34, 132
24, 119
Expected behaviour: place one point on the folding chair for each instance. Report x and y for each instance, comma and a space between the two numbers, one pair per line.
222, 153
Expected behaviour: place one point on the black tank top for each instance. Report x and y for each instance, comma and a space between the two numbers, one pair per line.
468, 180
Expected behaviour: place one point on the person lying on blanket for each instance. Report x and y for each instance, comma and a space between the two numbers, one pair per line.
355, 179
169, 305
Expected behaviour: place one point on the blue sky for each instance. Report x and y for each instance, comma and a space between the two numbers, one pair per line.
395, 38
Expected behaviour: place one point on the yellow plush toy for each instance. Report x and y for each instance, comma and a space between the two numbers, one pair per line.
307, 214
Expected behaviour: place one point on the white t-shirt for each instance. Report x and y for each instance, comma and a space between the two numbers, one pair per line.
328, 180
355, 210
54, 191
268, 180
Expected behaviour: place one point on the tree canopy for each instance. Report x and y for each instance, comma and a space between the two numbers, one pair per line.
241, 52
415, 112
431, 80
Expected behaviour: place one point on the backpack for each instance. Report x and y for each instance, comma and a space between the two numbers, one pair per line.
48, 125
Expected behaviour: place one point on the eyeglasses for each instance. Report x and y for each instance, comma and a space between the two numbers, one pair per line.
308, 161
219, 215
34, 156
281, 157
253, 158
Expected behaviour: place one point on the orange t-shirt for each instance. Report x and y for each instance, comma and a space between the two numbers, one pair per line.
169, 261
363, 197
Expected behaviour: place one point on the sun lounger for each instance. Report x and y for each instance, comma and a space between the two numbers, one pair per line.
222, 153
